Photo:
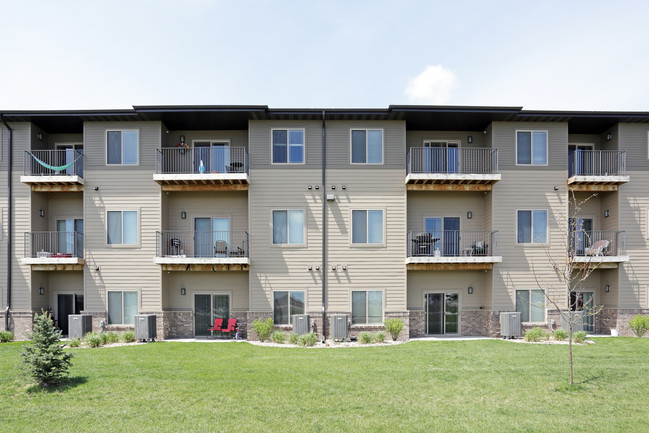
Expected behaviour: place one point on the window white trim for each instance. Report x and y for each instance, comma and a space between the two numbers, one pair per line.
351, 161
547, 145
290, 312
367, 244
529, 306
547, 227
288, 244
138, 304
367, 307
137, 130
288, 146
138, 226
428, 141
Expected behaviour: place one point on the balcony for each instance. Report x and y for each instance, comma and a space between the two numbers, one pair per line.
452, 250
54, 251
53, 170
202, 250
202, 169
596, 170
601, 248
452, 169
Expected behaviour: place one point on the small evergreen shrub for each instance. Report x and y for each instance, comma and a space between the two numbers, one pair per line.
128, 337
579, 336
366, 338
93, 339
639, 325
278, 337
380, 337
293, 338
560, 334
394, 327
308, 340
113, 337
44, 359
263, 328
535, 335
6, 336
75, 342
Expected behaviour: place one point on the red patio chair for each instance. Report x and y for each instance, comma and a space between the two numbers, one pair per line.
218, 323
232, 327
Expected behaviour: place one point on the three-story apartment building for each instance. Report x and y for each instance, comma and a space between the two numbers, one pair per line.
440, 216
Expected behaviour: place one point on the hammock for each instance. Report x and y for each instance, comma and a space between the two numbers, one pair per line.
59, 168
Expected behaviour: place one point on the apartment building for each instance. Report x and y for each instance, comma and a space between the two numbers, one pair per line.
440, 216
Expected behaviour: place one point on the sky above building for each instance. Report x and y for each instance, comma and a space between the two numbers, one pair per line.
558, 55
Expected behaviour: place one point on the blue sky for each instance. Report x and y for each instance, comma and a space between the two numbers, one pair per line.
585, 55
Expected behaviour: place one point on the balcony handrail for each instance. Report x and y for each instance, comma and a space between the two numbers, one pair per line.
597, 163
201, 160
53, 244
453, 243
60, 162
452, 160
596, 243
197, 243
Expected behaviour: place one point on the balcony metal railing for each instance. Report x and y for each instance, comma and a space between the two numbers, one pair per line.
223, 244
596, 163
199, 160
598, 243
67, 162
464, 160
453, 243
53, 245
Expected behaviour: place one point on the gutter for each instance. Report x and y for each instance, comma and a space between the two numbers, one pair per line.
9, 218
324, 229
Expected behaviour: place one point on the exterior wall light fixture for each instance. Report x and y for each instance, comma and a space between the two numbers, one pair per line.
41, 291
607, 288
41, 212
470, 290
469, 215
183, 214
606, 213
183, 291
39, 135
469, 139
609, 136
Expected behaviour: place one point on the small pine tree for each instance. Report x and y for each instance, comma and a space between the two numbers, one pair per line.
44, 359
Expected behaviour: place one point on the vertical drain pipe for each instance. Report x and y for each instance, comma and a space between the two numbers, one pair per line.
9, 218
324, 229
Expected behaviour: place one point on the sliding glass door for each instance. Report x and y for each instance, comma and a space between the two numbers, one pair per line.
208, 307
442, 313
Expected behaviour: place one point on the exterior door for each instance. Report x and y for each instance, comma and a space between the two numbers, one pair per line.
65, 307
433, 227
442, 313
208, 307
580, 161
583, 236
67, 242
221, 236
212, 237
441, 157
451, 237
72, 152
215, 156
584, 301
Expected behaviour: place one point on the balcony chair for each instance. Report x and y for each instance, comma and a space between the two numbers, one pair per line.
597, 249
479, 248
232, 327
220, 248
218, 323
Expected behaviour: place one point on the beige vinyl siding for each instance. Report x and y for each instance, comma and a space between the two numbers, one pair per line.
610, 277
598, 140
38, 280
63, 205
121, 188
235, 137
284, 267
221, 204
339, 145
417, 138
234, 284
54, 283
39, 200
427, 204
369, 267
523, 190
54, 139
504, 139
149, 138
260, 146
420, 282
488, 212
610, 201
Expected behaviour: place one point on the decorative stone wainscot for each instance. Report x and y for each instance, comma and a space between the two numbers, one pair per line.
474, 323
20, 323
614, 318
251, 317
177, 324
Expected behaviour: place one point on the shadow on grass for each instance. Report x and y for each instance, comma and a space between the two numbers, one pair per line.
579, 386
71, 382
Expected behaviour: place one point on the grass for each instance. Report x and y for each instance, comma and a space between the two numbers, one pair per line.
464, 386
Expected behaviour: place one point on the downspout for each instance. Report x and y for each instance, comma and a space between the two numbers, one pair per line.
9, 218
324, 229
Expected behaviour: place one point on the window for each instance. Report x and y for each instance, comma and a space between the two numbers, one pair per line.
122, 308
288, 146
288, 227
285, 305
532, 226
531, 305
122, 147
531, 147
367, 226
367, 307
367, 146
122, 228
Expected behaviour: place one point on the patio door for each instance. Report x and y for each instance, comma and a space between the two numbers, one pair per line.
580, 161
67, 304
584, 301
214, 154
441, 157
583, 234
67, 242
211, 237
445, 234
208, 307
442, 313
71, 153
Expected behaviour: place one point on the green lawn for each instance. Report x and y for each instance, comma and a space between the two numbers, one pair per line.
466, 386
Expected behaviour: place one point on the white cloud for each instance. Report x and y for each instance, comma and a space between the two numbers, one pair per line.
432, 86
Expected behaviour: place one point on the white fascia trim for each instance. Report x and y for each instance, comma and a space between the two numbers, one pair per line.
452, 176
198, 176
202, 260
52, 179
52, 261
459, 259
601, 259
